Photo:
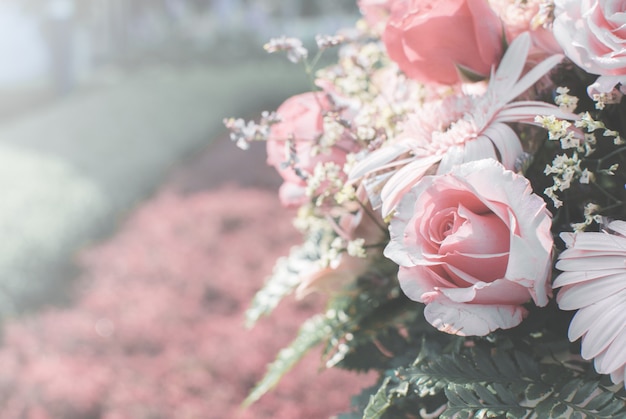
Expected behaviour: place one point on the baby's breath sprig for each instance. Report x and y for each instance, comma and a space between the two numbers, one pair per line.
591, 214
243, 133
296, 52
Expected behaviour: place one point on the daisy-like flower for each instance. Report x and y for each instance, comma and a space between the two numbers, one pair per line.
594, 283
461, 128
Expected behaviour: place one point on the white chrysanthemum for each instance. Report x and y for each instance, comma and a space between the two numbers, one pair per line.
594, 283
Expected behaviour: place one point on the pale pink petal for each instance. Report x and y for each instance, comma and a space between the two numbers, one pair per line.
596, 242
619, 227
592, 263
619, 375
532, 76
453, 157
472, 319
577, 277
498, 292
615, 355
585, 319
378, 158
396, 248
605, 84
480, 148
606, 327
527, 110
403, 180
590, 292
418, 281
510, 68
506, 142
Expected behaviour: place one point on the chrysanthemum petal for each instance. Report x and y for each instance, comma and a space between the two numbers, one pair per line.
480, 148
510, 68
576, 277
378, 158
591, 292
606, 327
403, 180
453, 157
619, 227
585, 319
506, 142
527, 110
532, 76
592, 263
595, 242
615, 355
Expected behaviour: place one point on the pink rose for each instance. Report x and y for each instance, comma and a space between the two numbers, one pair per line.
302, 123
429, 39
592, 34
528, 16
474, 245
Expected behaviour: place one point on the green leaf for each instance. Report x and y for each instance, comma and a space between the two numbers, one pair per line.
379, 402
311, 333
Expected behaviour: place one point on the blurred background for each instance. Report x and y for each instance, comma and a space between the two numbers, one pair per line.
112, 149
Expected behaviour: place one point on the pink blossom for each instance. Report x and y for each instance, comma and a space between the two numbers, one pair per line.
290, 146
519, 17
592, 34
430, 39
594, 283
473, 245
462, 128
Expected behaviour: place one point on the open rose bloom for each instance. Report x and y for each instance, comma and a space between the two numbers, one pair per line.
461, 162
592, 34
474, 245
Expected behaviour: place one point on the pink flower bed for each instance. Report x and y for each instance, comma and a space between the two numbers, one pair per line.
156, 330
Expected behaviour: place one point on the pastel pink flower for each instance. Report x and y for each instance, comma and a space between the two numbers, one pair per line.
291, 142
592, 34
461, 128
519, 17
474, 245
594, 283
430, 39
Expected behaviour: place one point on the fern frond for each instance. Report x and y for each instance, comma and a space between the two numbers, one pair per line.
311, 333
283, 280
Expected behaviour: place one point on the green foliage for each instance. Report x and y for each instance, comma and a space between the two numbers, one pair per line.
497, 383
284, 279
311, 333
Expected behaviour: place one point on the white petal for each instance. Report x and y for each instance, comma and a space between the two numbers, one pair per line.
585, 318
478, 149
472, 319
615, 355
506, 142
403, 180
378, 158
533, 75
576, 277
593, 263
605, 329
510, 68
581, 295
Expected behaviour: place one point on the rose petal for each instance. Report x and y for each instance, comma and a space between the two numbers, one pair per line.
472, 319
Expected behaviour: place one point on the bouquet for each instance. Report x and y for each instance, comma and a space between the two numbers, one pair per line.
459, 174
